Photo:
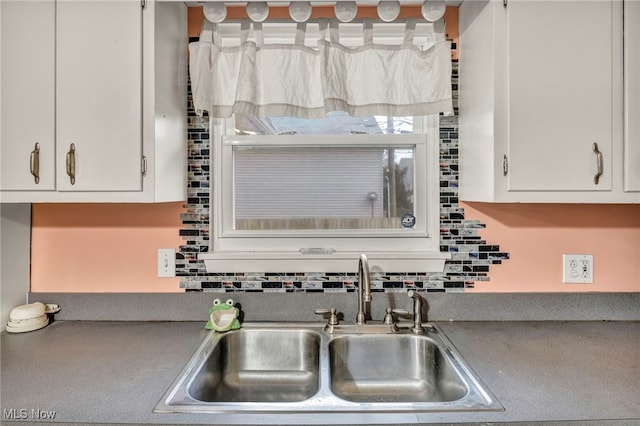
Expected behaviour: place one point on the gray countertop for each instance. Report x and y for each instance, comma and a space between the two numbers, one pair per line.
115, 372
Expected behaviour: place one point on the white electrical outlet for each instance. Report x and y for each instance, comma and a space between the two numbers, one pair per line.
577, 268
166, 263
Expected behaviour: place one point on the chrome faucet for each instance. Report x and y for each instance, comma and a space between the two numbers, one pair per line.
364, 289
417, 312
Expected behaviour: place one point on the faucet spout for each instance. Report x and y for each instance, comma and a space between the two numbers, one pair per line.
364, 289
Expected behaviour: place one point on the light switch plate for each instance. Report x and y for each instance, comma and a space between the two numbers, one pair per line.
166, 263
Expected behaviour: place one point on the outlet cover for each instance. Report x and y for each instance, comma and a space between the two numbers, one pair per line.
166, 263
577, 268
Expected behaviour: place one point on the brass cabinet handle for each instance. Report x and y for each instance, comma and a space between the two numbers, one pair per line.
34, 163
71, 164
599, 163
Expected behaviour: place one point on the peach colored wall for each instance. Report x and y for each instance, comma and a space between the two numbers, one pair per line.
112, 247
102, 247
536, 236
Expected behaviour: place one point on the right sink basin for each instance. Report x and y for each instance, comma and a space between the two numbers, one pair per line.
393, 368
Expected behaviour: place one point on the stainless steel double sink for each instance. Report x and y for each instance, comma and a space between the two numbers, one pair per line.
283, 367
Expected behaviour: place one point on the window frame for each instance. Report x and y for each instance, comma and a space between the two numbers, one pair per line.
416, 250
226, 214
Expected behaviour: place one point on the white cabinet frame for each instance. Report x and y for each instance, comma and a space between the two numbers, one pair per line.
508, 102
157, 151
632, 95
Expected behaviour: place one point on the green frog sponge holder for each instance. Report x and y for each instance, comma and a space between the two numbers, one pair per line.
223, 316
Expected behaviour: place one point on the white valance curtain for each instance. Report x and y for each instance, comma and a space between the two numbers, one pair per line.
296, 80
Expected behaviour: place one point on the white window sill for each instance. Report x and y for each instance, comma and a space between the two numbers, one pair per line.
241, 261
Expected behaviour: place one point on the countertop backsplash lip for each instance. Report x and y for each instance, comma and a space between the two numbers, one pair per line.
300, 307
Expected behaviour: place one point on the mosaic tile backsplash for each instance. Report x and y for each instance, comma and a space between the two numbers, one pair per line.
471, 256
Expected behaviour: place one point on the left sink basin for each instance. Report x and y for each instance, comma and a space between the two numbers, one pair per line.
249, 367
259, 366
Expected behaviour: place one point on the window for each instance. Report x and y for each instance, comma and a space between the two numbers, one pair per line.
320, 192
289, 187
310, 195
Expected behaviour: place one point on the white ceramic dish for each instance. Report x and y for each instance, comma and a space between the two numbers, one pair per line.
26, 325
30, 317
300, 11
215, 12
432, 10
258, 11
32, 310
388, 10
346, 10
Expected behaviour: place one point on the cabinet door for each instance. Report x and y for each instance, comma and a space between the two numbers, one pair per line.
98, 98
632, 95
560, 94
28, 102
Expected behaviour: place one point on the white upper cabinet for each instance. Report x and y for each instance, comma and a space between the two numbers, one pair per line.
632, 95
559, 95
27, 127
99, 95
109, 102
541, 101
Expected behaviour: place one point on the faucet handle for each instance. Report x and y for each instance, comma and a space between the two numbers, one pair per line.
333, 315
388, 318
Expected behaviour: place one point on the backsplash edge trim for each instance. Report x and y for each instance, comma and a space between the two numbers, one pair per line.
300, 306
